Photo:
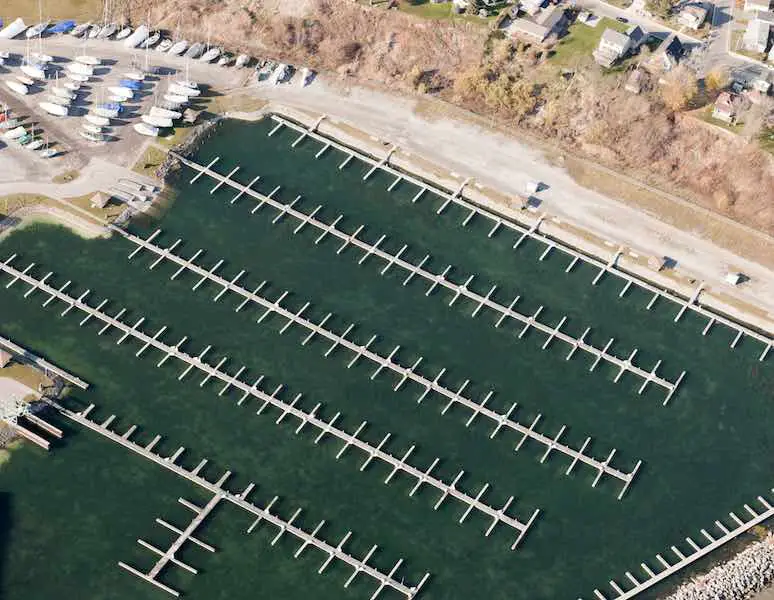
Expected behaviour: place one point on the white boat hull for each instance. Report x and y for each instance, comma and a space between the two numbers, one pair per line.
91, 61
121, 92
17, 86
178, 48
54, 109
34, 71
80, 69
145, 129
157, 111
182, 90
98, 120
156, 121
14, 134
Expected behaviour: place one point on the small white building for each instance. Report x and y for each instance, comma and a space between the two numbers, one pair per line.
757, 5
735, 278
693, 16
756, 36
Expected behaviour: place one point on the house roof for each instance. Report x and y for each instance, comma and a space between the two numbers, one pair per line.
725, 103
636, 34
614, 38
671, 46
529, 28
757, 32
695, 10
550, 17
765, 16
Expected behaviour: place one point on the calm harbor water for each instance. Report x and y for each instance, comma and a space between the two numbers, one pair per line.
71, 515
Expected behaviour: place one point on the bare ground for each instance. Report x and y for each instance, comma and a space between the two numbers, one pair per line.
515, 86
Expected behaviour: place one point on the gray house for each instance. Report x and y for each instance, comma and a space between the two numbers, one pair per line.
613, 45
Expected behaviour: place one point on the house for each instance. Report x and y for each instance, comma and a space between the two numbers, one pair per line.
100, 200
692, 16
756, 36
614, 44
762, 85
667, 55
549, 22
757, 5
635, 81
725, 108
531, 7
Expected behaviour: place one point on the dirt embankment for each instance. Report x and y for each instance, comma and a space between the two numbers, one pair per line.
466, 65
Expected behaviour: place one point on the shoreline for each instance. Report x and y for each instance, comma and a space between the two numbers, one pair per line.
748, 574
561, 230
27, 216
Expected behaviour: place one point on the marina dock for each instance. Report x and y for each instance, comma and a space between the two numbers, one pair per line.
240, 500
661, 568
48, 369
421, 476
442, 280
405, 373
524, 231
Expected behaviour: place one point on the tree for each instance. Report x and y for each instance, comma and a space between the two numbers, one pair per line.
717, 79
474, 6
679, 88
661, 8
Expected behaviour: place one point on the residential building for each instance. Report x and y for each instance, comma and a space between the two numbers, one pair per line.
692, 16
531, 7
614, 44
756, 35
548, 22
667, 55
762, 85
757, 5
725, 108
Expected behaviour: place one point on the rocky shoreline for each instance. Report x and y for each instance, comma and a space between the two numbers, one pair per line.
749, 572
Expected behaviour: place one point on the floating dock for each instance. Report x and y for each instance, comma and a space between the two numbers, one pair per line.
240, 500
183, 536
422, 476
390, 362
610, 266
442, 280
661, 568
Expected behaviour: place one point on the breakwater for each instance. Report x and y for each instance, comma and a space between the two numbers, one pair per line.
748, 572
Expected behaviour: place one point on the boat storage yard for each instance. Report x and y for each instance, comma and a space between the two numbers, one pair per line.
400, 393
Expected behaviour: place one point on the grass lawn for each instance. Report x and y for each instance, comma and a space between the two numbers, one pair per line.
705, 114
54, 10
581, 40
442, 11
766, 140
620, 3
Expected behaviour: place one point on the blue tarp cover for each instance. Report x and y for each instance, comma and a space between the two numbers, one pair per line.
62, 27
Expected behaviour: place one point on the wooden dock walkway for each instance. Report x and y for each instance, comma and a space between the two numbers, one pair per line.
264, 514
422, 476
442, 280
48, 368
692, 551
524, 231
390, 362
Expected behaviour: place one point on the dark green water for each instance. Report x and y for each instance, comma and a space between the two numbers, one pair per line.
72, 514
